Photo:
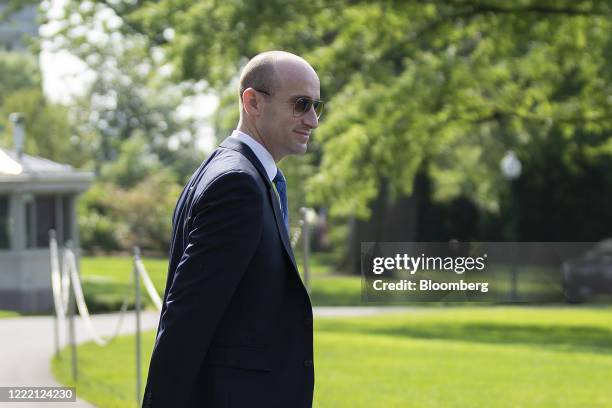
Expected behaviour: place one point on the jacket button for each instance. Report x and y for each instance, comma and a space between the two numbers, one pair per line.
307, 363
308, 321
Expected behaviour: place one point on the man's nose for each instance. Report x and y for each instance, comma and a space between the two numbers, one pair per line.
310, 118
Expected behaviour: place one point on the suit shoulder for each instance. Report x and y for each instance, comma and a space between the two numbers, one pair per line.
234, 180
230, 161
230, 173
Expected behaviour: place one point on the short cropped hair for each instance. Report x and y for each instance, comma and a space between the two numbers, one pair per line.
260, 73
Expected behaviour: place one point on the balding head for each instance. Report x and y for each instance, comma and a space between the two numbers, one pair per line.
266, 71
272, 84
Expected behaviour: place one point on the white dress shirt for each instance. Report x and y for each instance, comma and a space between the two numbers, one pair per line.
261, 152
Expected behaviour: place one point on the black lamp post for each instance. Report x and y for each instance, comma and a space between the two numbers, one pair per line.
511, 168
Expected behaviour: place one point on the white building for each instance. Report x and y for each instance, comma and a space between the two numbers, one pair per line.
36, 195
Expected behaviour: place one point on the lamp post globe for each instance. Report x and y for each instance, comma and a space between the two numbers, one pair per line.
511, 166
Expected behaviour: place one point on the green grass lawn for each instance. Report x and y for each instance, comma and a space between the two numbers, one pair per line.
429, 357
8, 313
106, 279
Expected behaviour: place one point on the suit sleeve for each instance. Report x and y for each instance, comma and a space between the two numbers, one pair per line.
223, 234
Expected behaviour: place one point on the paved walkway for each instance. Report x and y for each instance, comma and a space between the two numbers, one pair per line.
27, 345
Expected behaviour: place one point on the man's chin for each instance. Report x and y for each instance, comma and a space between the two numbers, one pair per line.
296, 149
301, 148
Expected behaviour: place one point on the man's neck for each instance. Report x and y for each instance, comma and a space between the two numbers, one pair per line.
252, 132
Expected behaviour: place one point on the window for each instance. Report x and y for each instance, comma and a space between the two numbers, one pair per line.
67, 219
45, 219
46, 212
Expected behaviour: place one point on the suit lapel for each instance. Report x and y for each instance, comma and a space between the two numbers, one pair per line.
231, 143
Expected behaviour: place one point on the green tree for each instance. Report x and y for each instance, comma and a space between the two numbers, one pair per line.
130, 95
450, 84
143, 147
441, 88
19, 71
47, 125
113, 218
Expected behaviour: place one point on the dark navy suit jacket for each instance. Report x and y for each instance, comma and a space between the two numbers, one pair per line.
236, 323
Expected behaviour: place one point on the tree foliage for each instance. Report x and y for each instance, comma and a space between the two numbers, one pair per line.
129, 95
446, 85
112, 217
127, 114
47, 126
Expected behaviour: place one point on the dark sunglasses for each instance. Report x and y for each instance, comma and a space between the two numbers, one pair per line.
303, 104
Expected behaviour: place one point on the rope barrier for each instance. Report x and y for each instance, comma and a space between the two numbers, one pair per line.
61, 282
151, 291
57, 282
82, 306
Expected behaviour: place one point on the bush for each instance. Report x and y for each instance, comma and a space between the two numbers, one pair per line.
114, 218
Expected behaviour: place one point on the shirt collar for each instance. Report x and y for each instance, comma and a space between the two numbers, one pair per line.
263, 155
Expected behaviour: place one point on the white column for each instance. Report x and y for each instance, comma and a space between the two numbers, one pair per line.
17, 222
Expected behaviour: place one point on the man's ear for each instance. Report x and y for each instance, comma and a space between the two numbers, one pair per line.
251, 102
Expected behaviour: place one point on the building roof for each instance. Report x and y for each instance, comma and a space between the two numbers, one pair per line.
10, 163
37, 170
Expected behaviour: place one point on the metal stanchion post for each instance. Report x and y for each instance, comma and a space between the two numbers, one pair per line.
137, 308
52, 238
306, 246
71, 328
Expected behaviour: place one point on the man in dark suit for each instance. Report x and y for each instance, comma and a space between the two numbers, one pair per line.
236, 323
